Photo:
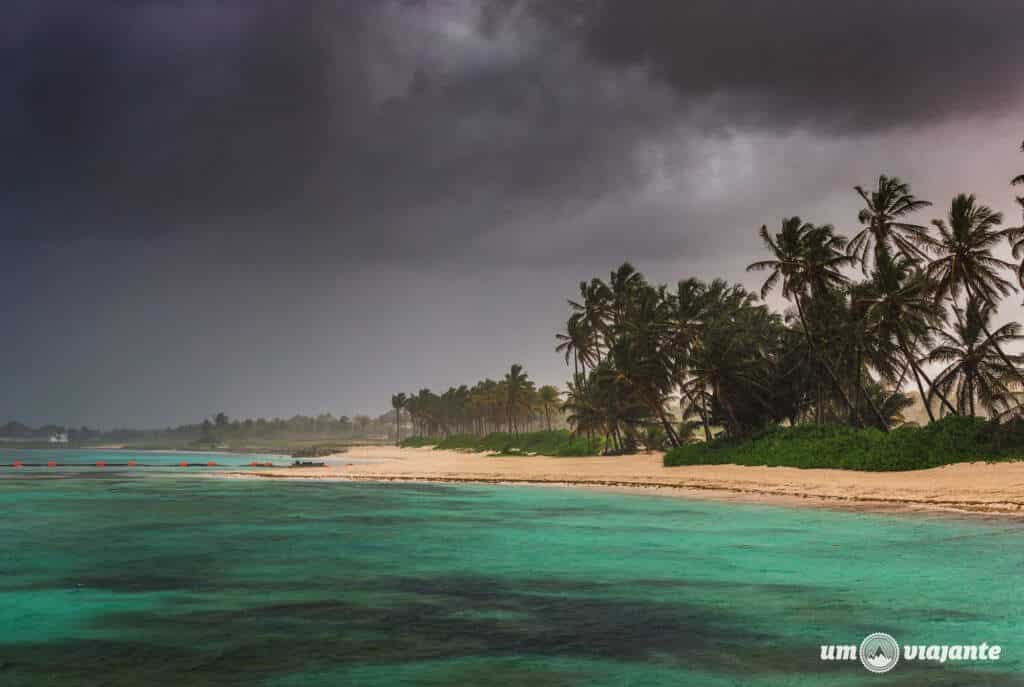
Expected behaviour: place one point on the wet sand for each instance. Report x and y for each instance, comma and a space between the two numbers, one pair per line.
978, 488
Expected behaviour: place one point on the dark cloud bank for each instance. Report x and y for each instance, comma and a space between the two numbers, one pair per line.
148, 146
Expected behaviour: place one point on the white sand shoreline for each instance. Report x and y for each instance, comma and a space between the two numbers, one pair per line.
985, 489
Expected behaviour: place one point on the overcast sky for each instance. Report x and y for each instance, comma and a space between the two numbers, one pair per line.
270, 207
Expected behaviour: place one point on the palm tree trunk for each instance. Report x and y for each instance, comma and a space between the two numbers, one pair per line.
970, 389
704, 415
924, 398
733, 431
673, 438
931, 387
818, 414
702, 409
856, 419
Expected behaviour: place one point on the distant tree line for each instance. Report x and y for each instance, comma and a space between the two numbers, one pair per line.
511, 404
218, 429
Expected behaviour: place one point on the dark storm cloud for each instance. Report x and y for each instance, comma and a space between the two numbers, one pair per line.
852, 66
386, 128
280, 206
301, 118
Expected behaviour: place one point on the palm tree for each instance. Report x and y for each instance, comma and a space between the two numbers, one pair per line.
884, 229
965, 261
644, 347
729, 362
688, 306
807, 260
516, 385
549, 401
581, 408
902, 309
614, 398
974, 368
589, 314
623, 285
1016, 235
398, 402
575, 342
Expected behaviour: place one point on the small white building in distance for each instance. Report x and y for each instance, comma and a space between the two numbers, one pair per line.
59, 438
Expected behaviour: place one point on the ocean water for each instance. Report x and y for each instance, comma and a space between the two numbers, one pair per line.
71, 461
116, 577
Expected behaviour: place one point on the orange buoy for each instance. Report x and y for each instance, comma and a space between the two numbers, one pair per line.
132, 463
183, 464
101, 463
16, 464
268, 465
51, 464
211, 464
254, 464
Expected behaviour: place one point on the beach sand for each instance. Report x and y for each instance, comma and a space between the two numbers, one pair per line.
979, 488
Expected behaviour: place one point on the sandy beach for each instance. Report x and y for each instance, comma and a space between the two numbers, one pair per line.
977, 488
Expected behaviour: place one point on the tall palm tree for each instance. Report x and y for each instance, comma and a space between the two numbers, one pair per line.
885, 229
688, 306
575, 342
902, 309
516, 385
644, 347
398, 402
549, 401
623, 285
808, 261
615, 399
581, 408
729, 361
974, 369
965, 262
588, 313
1016, 236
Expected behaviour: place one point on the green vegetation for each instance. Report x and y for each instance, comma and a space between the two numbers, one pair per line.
949, 440
900, 306
419, 442
546, 443
276, 435
513, 404
319, 450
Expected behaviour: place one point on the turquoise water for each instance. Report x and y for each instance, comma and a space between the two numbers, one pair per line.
72, 460
111, 578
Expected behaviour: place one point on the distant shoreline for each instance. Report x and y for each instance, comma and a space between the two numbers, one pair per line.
978, 489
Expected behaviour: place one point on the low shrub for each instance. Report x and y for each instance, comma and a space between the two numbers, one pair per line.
417, 442
949, 440
558, 442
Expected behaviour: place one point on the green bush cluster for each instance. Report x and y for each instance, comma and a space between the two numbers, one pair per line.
557, 442
417, 442
949, 440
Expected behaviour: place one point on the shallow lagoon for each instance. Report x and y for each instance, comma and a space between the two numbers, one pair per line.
130, 578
